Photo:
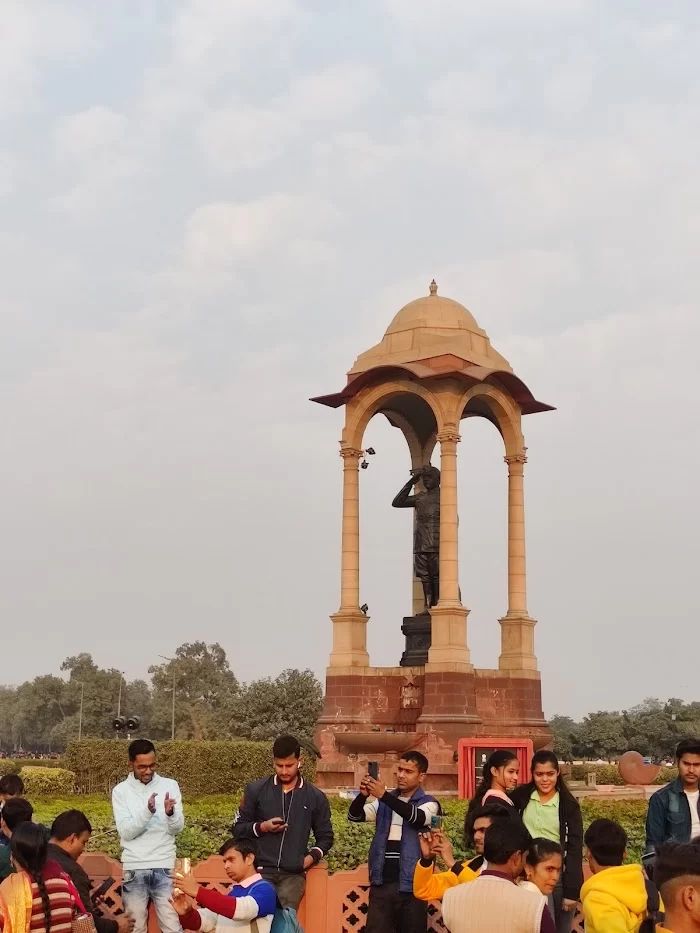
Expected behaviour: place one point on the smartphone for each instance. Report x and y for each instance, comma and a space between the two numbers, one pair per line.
373, 769
103, 888
435, 823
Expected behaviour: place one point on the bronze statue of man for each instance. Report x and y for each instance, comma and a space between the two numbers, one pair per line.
426, 538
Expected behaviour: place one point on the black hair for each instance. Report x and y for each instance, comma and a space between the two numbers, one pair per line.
545, 757
607, 842
141, 747
503, 839
12, 785
17, 810
418, 759
674, 861
497, 760
29, 849
245, 846
286, 746
541, 849
70, 823
687, 747
491, 811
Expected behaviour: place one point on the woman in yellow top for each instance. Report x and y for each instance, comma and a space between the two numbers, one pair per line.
429, 885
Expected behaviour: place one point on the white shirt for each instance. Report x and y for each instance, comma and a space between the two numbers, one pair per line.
148, 839
694, 818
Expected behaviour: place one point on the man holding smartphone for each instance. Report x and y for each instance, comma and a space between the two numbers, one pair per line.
281, 812
70, 834
400, 816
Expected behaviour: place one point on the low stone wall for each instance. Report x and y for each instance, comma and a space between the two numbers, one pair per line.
333, 903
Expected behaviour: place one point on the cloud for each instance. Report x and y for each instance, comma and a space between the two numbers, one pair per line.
236, 139
100, 146
225, 234
205, 226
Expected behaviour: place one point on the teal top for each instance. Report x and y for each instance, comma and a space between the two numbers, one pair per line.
542, 819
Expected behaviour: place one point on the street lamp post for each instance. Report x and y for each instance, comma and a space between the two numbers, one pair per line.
80, 720
172, 728
119, 701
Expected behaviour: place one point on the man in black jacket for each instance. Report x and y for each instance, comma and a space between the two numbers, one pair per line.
69, 836
281, 812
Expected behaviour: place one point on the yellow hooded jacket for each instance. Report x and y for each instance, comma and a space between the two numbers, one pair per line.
429, 885
615, 900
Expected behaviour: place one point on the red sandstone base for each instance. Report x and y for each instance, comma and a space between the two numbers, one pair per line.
378, 713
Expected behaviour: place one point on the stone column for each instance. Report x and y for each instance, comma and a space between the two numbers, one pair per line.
349, 623
449, 617
517, 628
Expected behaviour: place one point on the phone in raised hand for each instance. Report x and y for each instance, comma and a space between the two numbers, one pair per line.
373, 769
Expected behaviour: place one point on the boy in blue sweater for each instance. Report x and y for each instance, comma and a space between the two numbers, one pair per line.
247, 908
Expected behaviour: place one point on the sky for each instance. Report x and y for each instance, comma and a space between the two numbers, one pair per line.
209, 209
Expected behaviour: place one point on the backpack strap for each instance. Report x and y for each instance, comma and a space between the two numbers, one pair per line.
653, 899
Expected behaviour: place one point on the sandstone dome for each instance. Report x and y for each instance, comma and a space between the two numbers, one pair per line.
431, 327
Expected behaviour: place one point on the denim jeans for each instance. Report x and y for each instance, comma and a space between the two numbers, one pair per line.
143, 885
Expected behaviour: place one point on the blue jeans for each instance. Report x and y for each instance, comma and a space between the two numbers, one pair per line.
143, 885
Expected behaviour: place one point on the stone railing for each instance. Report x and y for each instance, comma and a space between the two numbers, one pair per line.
333, 903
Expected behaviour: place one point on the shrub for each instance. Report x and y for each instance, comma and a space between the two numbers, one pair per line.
208, 823
200, 768
47, 782
610, 774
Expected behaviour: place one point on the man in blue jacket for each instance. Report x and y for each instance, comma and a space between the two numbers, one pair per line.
674, 811
400, 815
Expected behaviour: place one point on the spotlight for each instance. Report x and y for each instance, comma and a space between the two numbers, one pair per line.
364, 608
364, 465
133, 723
119, 723
371, 451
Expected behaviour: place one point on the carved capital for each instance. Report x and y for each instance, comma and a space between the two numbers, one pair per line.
450, 435
350, 453
520, 457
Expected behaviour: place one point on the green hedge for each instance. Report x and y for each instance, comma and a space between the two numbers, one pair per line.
200, 768
15, 765
610, 774
208, 823
47, 782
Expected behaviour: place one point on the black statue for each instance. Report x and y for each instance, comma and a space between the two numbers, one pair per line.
426, 539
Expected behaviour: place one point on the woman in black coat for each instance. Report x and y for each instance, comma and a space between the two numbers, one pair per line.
549, 810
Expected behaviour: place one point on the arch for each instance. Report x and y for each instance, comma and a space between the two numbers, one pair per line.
361, 409
505, 411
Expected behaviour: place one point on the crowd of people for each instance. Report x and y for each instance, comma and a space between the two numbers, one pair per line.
527, 874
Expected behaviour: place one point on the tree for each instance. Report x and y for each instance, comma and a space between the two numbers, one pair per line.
100, 690
205, 685
291, 703
566, 737
602, 735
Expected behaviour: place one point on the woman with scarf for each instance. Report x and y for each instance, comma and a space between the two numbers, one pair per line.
38, 897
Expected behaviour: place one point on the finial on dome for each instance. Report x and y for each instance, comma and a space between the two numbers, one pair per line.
433, 288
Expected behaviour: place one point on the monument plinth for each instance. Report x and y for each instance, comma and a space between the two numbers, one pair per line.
433, 368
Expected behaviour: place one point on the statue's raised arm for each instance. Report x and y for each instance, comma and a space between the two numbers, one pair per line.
403, 499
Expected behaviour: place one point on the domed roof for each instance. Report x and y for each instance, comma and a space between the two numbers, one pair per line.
433, 311
430, 327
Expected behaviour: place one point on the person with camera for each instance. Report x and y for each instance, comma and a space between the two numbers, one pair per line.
279, 813
70, 833
148, 813
400, 815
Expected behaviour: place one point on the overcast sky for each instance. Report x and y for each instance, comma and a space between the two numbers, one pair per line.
209, 208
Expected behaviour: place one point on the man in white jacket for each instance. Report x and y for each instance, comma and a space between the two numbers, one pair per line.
148, 813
